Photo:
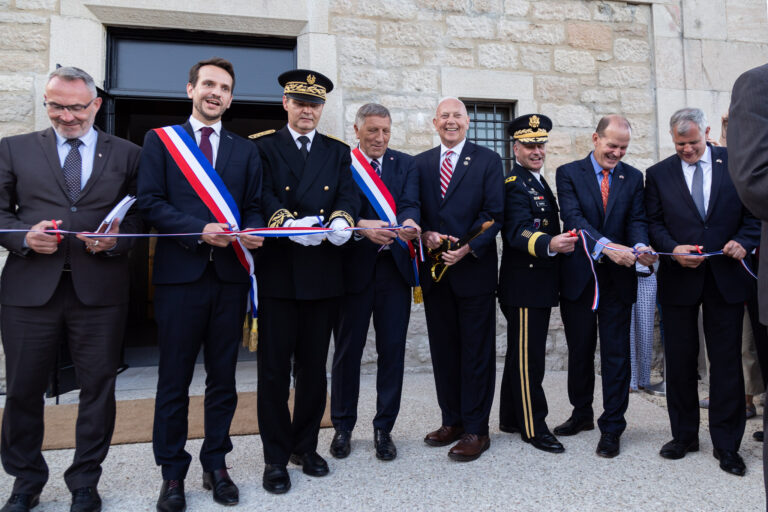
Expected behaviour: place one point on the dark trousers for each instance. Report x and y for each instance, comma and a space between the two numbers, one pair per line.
207, 313
581, 325
31, 339
522, 402
722, 335
300, 329
389, 300
462, 343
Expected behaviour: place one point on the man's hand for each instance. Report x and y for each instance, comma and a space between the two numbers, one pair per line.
377, 236
645, 258
340, 235
40, 242
735, 250
217, 240
687, 261
433, 239
251, 241
99, 244
563, 243
623, 257
409, 234
453, 257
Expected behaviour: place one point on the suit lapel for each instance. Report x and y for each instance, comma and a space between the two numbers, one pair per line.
460, 169
679, 178
314, 162
718, 170
291, 153
48, 144
617, 182
226, 142
433, 164
590, 182
100, 158
388, 170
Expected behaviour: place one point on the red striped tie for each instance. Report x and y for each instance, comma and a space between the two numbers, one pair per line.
446, 171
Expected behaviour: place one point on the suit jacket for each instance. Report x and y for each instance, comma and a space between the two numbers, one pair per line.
623, 222
474, 195
748, 165
674, 220
294, 188
529, 275
32, 189
170, 204
402, 180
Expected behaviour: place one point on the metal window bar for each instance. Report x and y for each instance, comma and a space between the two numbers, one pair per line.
488, 127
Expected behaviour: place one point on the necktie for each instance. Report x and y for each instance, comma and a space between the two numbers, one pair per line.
604, 188
205, 142
446, 171
73, 167
697, 190
304, 150
376, 167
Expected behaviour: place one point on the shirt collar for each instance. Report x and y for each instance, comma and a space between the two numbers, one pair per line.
296, 135
88, 139
380, 159
457, 149
596, 166
197, 125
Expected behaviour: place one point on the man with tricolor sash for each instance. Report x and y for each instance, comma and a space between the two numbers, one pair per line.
202, 179
381, 269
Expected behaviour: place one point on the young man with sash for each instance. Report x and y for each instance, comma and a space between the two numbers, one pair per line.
307, 181
199, 178
380, 274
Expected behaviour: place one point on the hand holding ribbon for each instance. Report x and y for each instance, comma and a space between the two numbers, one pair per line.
212, 234
102, 243
646, 256
734, 250
251, 241
340, 234
622, 256
306, 222
692, 261
409, 234
375, 235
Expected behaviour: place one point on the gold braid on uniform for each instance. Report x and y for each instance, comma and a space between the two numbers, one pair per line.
279, 217
344, 215
261, 134
532, 242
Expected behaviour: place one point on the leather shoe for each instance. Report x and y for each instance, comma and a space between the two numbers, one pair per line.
469, 448
225, 491
276, 479
21, 502
677, 449
509, 429
172, 497
730, 462
545, 442
608, 446
573, 426
340, 445
311, 463
758, 436
444, 436
85, 499
385, 447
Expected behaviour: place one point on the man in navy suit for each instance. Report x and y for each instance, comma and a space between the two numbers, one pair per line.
378, 280
692, 205
461, 186
201, 290
604, 197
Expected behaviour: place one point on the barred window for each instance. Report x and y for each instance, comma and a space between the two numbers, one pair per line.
488, 127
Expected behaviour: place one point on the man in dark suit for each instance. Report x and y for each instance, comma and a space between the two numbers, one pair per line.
604, 197
201, 289
692, 205
378, 280
461, 187
307, 179
73, 287
529, 282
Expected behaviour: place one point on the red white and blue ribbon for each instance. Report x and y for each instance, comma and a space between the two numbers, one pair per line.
596, 297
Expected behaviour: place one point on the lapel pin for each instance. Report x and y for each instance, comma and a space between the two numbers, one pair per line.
621, 176
99, 155
466, 163
467, 158
391, 158
719, 161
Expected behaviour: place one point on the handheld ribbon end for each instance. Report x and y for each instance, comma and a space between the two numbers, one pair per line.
251, 333
418, 295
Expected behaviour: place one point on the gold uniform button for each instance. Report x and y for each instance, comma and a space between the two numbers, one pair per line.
530, 265
322, 211
326, 188
287, 189
295, 214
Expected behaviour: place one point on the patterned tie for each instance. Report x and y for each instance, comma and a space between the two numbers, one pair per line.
73, 169
205, 142
604, 188
304, 149
446, 171
376, 167
697, 190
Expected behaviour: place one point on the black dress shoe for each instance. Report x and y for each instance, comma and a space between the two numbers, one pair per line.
85, 499
509, 429
608, 446
225, 491
385, 447
172, 497
276, 479
573, 426
677, 449
758, 436
21, 502
311, 463
340, 445
730, 462
545, 442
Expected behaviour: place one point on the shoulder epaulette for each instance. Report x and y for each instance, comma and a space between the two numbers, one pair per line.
337, 139
261, 134
510, 179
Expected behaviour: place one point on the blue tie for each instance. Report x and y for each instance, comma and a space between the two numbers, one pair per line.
697, 190
376, 167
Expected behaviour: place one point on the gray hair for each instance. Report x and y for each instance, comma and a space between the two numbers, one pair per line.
681, 121
71, 73
371, 109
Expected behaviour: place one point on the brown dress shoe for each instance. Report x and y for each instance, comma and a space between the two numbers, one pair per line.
469, 448
443, 436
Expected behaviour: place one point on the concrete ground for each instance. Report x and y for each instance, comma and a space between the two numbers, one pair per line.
511, 475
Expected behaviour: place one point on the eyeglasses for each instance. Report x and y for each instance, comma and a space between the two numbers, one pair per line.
74, 109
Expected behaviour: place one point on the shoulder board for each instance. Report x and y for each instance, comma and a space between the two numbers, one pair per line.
336, 139
510, 179
261, 134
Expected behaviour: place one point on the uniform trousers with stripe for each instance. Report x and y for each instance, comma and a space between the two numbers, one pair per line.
522, 401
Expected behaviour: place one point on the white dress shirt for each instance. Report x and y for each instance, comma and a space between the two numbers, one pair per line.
197, 126
296, 135
706, 167
87, 153
456, 152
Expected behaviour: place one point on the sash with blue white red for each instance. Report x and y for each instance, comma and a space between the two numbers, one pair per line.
208, 185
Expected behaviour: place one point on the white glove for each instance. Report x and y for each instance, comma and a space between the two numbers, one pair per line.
306, 222
339, 235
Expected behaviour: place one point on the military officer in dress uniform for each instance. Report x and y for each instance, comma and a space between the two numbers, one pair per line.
307, 182
528, 283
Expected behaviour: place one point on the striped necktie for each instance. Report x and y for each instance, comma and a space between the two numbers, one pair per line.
446, 171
